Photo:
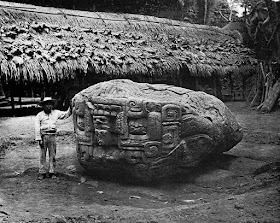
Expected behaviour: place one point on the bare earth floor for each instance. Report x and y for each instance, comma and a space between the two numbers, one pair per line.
240, 186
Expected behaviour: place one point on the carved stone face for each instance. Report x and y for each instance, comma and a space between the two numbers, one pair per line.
102, 131
103, 137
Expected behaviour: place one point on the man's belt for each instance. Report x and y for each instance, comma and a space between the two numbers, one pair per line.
48, 131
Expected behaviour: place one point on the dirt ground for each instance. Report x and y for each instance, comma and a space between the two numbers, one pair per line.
240, 186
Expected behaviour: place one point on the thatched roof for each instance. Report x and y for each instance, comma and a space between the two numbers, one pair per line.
50, 44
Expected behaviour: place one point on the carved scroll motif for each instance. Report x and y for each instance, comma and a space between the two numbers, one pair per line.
135, 108
151, 151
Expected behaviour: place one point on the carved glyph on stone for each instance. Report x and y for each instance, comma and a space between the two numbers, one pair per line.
149, 130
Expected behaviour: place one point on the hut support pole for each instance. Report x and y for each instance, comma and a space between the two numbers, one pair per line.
196, 84
2, 94
43, 93
215, 79
19, 101
12, 102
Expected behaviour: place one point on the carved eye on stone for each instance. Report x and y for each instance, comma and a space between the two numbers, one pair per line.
102, 122
172, 114
167, 138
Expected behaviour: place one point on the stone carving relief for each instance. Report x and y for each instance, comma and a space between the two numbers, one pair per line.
149, 135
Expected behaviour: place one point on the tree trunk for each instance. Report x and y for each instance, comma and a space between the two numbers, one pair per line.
263, 29
272, 98
257, 100
251, 94
205, 11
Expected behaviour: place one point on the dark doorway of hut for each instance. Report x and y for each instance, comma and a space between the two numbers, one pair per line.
22, 100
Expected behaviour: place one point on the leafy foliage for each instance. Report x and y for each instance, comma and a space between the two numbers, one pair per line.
263, 24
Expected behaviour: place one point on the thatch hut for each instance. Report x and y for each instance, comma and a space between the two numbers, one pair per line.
64, 51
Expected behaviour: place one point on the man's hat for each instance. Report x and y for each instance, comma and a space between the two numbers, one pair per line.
48, 100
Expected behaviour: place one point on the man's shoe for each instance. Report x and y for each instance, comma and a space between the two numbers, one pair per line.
52, 176
41, 176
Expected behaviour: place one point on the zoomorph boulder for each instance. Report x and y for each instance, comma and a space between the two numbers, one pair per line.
149, 130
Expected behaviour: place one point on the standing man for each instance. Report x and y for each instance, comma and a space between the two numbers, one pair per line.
45, 134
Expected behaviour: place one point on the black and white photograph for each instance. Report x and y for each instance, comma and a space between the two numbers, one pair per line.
139, 111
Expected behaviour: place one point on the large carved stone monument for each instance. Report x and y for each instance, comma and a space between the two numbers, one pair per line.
149, 130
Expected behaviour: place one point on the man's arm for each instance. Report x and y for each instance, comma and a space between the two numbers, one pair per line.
37, 128
65, 114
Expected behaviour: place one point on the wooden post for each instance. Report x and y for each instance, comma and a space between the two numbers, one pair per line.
19, 101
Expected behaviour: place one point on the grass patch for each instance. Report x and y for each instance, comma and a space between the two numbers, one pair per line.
5, 143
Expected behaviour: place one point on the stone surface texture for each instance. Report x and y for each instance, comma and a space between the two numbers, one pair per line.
149, 130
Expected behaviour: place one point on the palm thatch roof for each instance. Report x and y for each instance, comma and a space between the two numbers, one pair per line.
49, 44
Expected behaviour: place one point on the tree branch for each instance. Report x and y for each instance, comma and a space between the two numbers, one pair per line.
262, 70
220, 12
274, 31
